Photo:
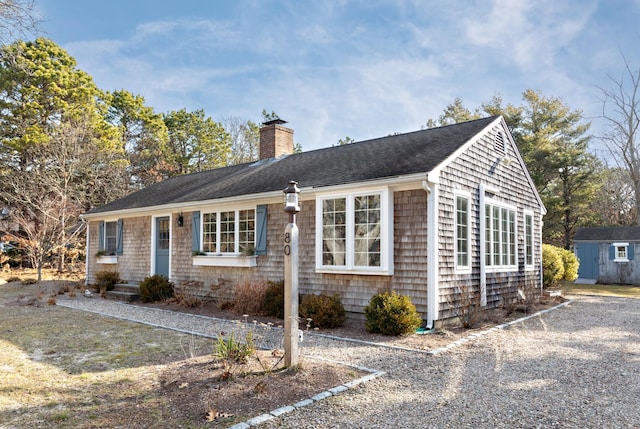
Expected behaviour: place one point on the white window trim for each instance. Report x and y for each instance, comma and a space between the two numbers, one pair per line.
615, 254
386, 232
466, 195
238, 257
502, 268
529, 267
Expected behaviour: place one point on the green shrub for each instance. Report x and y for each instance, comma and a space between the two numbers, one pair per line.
391, 314
106, 280
155, 288
324, 311
570, 263
552, 265
273, 302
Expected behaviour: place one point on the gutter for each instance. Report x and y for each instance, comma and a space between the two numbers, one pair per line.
431, 188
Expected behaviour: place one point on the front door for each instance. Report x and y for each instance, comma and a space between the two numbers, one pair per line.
162, 246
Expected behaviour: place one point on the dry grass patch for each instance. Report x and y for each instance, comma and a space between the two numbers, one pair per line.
65, 368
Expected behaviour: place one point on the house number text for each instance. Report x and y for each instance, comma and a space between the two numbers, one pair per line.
287, 240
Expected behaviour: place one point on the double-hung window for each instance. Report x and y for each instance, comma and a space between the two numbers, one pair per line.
228, 231
528, 239
110, 237
353, 232
462, 216
500, 236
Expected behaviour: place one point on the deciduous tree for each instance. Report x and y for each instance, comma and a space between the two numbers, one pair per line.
244, 140
18, 20
621, 111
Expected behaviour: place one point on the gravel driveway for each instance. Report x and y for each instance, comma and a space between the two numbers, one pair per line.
575, 367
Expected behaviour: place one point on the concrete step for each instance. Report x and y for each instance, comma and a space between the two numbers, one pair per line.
124, 292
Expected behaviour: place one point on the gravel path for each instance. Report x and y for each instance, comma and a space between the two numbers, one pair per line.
576, 367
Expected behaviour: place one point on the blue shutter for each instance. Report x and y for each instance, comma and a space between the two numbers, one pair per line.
100, 236
195, 231
630, 251
261, 229
119, 237
612, 253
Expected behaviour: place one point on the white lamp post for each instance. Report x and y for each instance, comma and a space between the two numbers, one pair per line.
291, 352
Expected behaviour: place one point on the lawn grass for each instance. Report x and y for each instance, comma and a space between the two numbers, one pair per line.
623, 291
65, 368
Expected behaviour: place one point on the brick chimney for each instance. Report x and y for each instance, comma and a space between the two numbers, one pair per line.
275, 139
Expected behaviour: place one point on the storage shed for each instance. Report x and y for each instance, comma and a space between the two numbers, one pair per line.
607, 254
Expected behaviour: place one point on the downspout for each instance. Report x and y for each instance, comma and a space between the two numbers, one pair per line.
483, 243
541, 272
431, 188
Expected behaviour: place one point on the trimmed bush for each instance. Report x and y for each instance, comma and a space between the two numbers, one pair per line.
391, 314
273, 302
570, 263
552, 265
106, 280
155, 288
324, 311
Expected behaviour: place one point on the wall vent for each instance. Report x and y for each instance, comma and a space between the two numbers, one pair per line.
499, 143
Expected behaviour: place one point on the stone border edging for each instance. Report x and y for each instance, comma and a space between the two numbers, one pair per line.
258, 420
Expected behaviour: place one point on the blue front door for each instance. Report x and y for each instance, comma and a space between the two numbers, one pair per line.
162, 246
589, 256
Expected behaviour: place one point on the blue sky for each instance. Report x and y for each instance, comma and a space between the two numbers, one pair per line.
362, 69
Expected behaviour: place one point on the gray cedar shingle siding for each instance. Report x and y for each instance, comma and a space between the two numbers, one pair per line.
465, 173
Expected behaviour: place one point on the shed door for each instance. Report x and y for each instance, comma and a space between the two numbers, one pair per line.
588, 254
162, 246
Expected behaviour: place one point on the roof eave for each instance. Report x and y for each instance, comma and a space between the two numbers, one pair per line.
271, 196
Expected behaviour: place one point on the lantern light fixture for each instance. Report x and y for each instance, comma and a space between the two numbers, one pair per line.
291, 204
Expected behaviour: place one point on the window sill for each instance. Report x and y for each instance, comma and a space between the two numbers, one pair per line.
501, 269
225, 261
463, 270
353, 271
621, 260
109, 259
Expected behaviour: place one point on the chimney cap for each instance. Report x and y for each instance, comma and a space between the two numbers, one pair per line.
276, 121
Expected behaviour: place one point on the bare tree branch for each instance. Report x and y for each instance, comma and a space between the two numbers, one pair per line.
18, 20
621, 110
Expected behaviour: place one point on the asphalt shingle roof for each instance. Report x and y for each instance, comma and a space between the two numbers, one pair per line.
385, 157
608, 233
